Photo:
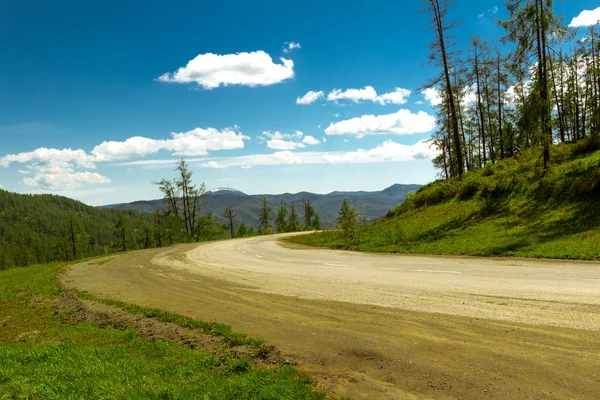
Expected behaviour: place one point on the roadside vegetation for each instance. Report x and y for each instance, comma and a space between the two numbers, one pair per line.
512, 208
517, 138
46, 353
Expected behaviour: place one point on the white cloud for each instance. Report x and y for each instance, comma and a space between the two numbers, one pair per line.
61, 180
387, 151
398, 96
419, 102
586, 18
494, 10
433, 96
403, 122
212, 164
132, 147
282, 141
278, 144
289, 46
48, 158
278, 158
55, 169
309, 140
480, 16
355, 95
310, 97
248, 69
192, 143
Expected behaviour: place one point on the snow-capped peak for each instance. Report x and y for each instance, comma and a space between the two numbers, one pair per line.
223, 189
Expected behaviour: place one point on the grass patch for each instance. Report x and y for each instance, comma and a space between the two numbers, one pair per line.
42, 356
210, 328
513, 208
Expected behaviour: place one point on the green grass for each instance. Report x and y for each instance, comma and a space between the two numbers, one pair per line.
44, 357
512, 208
210, 328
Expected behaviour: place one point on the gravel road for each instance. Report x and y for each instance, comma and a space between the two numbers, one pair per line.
383, 326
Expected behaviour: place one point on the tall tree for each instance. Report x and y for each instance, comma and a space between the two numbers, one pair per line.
170, 193
293, 224
440, 53
122, 230
531, 23
264, 217
309, 213
281, 220
346, 219
230, 215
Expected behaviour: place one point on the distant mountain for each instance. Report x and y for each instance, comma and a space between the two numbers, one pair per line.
376, 204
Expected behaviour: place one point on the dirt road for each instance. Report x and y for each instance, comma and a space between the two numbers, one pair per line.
382, 326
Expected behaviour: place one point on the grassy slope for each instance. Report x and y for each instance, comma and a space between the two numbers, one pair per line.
511, 208
41, 356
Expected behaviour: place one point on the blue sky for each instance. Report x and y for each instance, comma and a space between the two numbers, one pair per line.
97, 98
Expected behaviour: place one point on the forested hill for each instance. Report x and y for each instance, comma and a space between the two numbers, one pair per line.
514, 207
375, 204
42, 228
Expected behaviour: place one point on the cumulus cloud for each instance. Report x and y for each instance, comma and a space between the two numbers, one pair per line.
196, 142
279, 144
310, 97
433, 96
56, 169
248, 69
286, 141
288, 47
398, 96
388, 151
278, 158
212, 164
403, 122
309, 140
586, 18
61, 180
49, 158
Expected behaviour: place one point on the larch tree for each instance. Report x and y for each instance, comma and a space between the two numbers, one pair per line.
438, 9
230, 216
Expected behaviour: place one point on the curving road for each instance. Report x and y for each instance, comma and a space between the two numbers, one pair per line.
383, 326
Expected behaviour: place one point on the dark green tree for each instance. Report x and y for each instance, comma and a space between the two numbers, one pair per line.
281, 220
230, 215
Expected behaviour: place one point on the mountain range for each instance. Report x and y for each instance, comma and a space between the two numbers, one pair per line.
375, 204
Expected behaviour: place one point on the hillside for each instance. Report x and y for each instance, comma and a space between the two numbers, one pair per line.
512, 208
37, 229
376, 204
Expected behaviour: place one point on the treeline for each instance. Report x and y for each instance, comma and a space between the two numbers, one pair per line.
45, 228
184, 202
494, 105
36, 229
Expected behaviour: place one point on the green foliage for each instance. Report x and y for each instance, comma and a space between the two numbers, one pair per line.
293, 223
346, 220
55, 359
513, 207
281, 220
264, 217
45, 228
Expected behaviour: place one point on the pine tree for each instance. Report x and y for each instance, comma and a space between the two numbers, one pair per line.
230, 215
264, 217
281, 221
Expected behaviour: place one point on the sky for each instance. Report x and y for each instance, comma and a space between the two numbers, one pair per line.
98, 99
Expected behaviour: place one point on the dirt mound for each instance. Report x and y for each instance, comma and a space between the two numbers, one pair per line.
103, 316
